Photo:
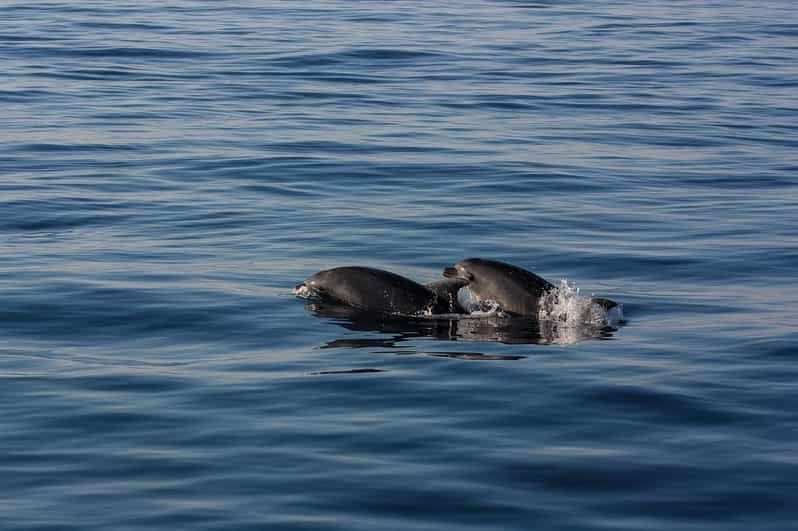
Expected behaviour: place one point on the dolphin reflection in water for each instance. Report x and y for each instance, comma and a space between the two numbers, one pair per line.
452, 327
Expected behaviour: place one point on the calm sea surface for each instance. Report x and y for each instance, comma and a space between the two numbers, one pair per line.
169, 173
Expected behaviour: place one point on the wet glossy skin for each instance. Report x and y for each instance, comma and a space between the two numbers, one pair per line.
375, 290
516, 290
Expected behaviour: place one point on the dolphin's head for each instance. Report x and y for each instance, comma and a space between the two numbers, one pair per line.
314, 286
472, 270
460, 271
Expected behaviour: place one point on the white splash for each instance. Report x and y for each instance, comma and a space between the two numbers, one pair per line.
303, 292
564, 304
475, 306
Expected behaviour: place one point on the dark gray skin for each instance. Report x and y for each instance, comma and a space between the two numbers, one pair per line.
374, 290
516, 291
446, 290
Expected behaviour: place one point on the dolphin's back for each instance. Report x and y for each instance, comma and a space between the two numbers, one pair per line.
371, 289
516, 290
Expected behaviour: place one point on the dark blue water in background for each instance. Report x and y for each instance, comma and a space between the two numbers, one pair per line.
168, 174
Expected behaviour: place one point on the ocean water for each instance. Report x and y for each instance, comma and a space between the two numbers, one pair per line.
168, 172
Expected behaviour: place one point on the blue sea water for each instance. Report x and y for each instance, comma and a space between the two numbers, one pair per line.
169, 171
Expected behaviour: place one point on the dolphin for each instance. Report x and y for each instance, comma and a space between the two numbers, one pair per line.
374, 290
515, 290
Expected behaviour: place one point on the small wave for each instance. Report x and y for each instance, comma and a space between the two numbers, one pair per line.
347, 371
564, 304
390, 54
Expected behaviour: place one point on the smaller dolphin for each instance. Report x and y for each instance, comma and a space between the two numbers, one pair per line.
515, 290
375, 290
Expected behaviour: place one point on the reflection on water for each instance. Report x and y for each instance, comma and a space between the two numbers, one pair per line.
473, 356
453, 327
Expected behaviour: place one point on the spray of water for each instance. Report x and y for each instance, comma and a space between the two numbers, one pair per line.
475, 306
565, 304
303, 292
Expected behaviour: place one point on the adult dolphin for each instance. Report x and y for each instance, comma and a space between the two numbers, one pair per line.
516, 291
375, 290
